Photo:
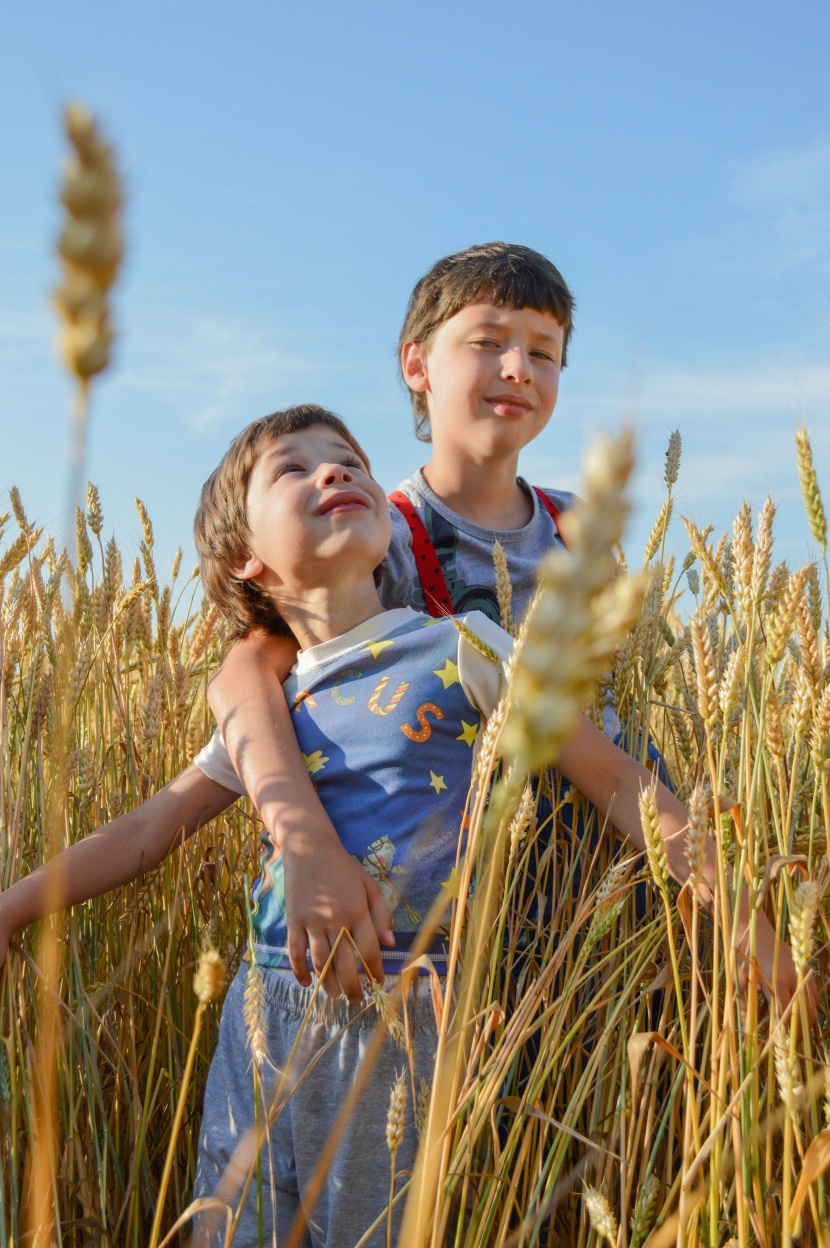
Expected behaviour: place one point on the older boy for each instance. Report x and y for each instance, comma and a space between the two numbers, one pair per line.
483, 342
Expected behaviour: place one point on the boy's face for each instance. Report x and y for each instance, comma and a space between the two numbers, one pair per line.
316, 515
490, 376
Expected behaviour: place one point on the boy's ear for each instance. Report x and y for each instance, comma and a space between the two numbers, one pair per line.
414, 366
252, 567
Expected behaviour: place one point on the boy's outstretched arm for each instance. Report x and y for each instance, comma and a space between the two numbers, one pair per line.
114, 854
613, 781
326, 890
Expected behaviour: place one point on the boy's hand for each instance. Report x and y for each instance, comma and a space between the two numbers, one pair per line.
324, 893
786, 982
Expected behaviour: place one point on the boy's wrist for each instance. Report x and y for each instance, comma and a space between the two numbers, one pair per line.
293, 835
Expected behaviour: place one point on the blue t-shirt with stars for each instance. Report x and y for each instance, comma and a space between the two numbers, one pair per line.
387, 717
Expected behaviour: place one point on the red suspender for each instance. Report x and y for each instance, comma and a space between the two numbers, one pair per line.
552, 511
436, 595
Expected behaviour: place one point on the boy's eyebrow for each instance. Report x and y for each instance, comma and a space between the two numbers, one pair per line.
542, 337
276, 450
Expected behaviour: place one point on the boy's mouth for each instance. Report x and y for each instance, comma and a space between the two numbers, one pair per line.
509, 404
346, 500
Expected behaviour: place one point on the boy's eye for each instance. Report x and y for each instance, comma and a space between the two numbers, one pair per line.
351, 461
288, 467
484, 342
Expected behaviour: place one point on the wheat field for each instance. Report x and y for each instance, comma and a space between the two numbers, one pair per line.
608, 1071
600, 1077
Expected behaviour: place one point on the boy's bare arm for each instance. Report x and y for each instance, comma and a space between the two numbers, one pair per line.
612, 781
114, 854
326, 890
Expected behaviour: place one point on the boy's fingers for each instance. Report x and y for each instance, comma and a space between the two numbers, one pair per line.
320, 952
297, 949
345, 968
381, 917
366, 939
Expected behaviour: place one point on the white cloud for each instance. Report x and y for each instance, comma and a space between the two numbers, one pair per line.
791, 188
767, 388
210, 369
670, 393
737, 427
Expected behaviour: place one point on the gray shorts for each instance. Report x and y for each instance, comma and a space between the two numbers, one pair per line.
329, 1055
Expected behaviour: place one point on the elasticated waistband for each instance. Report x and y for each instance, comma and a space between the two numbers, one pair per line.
284, 993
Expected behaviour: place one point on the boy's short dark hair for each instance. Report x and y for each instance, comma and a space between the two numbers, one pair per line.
505, 274
221, 528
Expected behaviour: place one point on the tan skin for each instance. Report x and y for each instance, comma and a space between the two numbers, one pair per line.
490, 378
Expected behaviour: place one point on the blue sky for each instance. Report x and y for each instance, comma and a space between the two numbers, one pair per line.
293, 169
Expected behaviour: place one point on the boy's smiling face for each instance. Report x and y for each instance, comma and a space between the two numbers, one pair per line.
490, 376
316, 516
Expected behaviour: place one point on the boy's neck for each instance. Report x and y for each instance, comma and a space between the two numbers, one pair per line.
324, 613
485, 493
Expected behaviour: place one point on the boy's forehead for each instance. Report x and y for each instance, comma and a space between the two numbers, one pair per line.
298, 439
485, 313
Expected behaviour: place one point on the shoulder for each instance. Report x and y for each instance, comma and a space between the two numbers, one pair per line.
491, 634
562, 500
484, 649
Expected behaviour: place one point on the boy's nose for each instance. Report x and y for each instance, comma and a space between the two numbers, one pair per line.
516, 365
336, 472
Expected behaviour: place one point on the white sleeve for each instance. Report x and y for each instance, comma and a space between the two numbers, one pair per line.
215, 761
482, 680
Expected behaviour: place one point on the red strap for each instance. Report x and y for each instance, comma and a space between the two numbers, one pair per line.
552, 510
436, 595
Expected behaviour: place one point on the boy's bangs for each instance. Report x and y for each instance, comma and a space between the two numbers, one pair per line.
520, 289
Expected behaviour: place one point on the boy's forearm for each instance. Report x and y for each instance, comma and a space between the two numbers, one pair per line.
117, 853
247, 700
326, 890
613, 781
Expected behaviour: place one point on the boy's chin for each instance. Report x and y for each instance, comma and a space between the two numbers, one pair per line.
359, 557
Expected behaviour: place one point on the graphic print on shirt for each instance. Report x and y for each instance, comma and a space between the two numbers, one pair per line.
444, 537
374, 700
394, 796
377, 862
426, 708
342, 699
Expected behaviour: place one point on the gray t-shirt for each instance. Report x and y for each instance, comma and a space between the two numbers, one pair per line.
465, 552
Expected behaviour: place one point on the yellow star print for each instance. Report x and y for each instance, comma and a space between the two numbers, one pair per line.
376, 646
437, 782
448, 674
315, 762
453, 884
469, 733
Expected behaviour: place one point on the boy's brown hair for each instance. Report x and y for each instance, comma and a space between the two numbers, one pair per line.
221, 528
504, 274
